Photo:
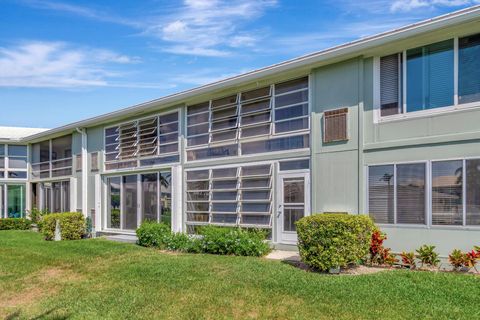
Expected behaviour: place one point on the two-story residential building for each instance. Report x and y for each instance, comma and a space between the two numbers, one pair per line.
387, 125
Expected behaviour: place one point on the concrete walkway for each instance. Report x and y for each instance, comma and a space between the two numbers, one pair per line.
284, 255
122, 238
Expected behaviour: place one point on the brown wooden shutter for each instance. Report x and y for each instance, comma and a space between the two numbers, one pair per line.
335, 125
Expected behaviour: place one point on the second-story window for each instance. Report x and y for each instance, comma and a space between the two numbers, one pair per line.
267, 119
52, 158
13, 161
143, 142
424, 78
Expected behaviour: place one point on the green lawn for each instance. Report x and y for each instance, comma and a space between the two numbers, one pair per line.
98, 279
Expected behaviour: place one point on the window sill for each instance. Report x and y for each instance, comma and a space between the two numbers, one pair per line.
431, 227
427, 113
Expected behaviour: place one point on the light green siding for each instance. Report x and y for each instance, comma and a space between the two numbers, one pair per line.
335, 177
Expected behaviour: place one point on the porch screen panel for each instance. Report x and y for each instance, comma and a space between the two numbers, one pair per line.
114, 202
381, 193
411, 193
150, 196
130, 202
447, 192
165, 197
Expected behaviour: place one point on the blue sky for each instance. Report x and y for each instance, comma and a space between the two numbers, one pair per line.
63, 61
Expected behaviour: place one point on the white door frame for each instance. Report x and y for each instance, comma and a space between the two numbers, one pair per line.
290, 237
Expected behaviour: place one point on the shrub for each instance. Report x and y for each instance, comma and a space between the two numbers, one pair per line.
428, 256
36, 215
408, 259
72, 225
215, 240
234, 241
456, 259
328, 241
378, 253
15, 224
471, 259
153, 234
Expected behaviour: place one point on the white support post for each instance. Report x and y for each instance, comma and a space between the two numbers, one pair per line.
73, 194
98, 202
28, 198
177, 196
84, 173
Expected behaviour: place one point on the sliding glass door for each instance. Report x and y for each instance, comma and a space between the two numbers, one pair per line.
130, 190
133, 199
12, 201
56, 196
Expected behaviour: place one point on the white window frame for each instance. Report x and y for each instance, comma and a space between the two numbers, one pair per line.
428, 195
378, 118
7, 168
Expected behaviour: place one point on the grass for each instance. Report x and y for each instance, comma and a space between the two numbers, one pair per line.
98, 279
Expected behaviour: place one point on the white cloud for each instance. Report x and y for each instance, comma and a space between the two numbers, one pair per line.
80, 11
409, 5
208, 28
57, 64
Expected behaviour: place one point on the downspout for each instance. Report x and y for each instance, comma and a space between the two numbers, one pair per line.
83, 132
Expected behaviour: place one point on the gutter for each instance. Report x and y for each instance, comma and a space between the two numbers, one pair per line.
344, 51
83, 132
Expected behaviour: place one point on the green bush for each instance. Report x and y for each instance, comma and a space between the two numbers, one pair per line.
72, 225
428, 256
328, 241
153, 234
15, 224
234, 241
215, 240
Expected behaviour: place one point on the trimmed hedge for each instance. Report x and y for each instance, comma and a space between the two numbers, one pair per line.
15, 224
72, 225
214, 240
329, 241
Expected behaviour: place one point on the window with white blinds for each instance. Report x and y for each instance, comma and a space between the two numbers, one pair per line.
472, 196
411, 193
469, 69
447, 192
390, 84
429, 76
381, 188
398, 193
143, 142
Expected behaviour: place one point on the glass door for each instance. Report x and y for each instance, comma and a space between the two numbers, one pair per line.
2, 201
294, 204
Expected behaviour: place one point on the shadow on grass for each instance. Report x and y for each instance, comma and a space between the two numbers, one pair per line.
45, 315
